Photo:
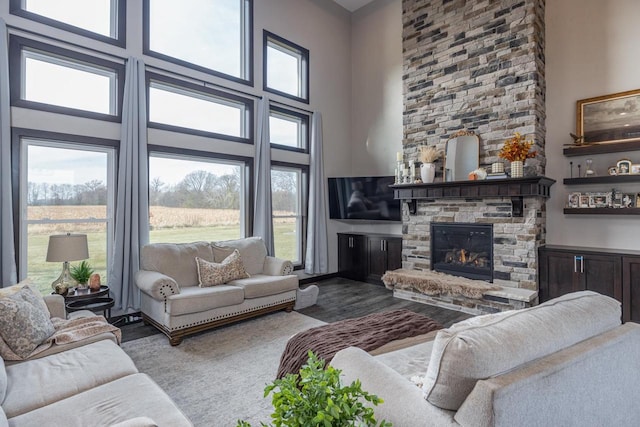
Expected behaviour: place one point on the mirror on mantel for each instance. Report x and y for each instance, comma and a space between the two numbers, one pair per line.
462, 154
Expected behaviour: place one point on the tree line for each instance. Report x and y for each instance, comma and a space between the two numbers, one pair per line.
198, 189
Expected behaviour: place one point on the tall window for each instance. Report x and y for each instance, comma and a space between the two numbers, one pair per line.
196, 198
286, 68
289, 129
47, 77
212, 35
288, 186
66, 187
224, 115
100, 19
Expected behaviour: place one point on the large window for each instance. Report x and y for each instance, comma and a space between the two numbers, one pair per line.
100, 19
194, 198
47, 77
212, 35
286, 68
65, 187
288, 189
288, 129
195, 111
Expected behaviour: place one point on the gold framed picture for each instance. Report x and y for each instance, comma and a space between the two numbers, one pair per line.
609, 118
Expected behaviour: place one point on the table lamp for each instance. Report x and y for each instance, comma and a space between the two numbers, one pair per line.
64, 248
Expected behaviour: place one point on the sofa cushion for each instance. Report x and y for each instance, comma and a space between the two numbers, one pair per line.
252, 250
485, 346
40, 382
24, 321
261, 285
195, 299
176, 260
213, 273
129, 397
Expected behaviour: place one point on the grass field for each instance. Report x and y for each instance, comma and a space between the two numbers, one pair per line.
168, 225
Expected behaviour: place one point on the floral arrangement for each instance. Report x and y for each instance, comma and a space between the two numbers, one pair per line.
429, 154
517, 149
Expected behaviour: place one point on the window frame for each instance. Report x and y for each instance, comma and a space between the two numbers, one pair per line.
188, 154
305, 131
18, 44
304, 62
19, 195
206, 91
120, 21
247, 38
304, 205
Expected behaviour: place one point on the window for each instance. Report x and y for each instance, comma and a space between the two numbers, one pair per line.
194, 198
66, 186
211, 35
286, 68
289, 129
212, 112
288, 191
49, 78
100, 19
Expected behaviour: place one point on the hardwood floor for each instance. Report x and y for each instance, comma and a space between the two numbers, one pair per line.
341, 299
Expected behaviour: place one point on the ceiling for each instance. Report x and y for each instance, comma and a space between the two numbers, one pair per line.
352, 5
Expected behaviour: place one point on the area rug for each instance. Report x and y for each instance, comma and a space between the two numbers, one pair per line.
434, 283
218, 377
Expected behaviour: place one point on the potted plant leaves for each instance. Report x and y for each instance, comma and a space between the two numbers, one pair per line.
315, 397
81, 274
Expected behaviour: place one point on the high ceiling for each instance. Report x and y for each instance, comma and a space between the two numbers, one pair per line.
352, 5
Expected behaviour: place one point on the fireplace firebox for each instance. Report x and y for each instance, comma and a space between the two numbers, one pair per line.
463, 249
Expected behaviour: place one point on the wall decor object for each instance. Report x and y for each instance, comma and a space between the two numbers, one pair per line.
613, 170
624, 167
599, 200
609, 118
574, 200
635, 169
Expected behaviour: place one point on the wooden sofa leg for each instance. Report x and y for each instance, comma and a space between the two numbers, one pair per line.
174, 341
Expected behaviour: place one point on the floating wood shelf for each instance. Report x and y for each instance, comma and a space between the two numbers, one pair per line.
602, 211
608, 179
537, 186
613, 147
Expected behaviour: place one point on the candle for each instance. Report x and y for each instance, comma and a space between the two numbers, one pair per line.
399, 156
405, 172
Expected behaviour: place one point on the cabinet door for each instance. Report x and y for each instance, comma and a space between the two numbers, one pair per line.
352, 256
631, 288
558, 275
384, 253
602, 274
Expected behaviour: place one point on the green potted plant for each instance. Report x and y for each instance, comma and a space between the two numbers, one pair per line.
81, 274
315, 397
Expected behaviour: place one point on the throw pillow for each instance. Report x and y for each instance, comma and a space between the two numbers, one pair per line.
213, 273
24, 324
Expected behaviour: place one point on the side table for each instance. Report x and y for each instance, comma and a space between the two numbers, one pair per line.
86, 299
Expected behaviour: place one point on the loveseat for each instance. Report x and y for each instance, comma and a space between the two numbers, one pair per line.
567, 362
178, 299
88, 383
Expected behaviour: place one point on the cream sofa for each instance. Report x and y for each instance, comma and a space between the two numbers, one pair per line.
89, 383
567, 362
172, 301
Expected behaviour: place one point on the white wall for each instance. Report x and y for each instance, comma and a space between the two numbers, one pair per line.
591, 50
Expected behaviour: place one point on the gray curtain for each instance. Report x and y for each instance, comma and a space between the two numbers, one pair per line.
8, 271
131, 229
317, 255
262, 219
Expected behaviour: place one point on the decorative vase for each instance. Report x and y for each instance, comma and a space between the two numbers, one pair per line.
517, 169
427, 172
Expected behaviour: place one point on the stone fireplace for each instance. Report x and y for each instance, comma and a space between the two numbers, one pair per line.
479, 66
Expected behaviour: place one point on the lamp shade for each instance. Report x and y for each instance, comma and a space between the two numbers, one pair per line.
67, 247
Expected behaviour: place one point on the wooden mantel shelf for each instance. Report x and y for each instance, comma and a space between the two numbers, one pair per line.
536, 186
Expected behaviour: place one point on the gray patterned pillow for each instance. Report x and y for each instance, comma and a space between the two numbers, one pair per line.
24, 324
213, 273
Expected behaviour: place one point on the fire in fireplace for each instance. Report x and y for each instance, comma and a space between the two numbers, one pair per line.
463, 249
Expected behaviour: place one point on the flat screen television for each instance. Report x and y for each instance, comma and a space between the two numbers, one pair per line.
363, 198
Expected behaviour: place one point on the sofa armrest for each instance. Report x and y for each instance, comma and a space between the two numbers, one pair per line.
594, 382
404, 404
55, 304
157, 285
277, 266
